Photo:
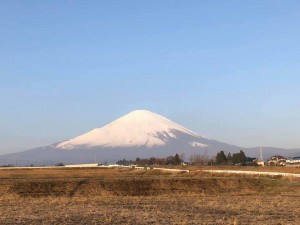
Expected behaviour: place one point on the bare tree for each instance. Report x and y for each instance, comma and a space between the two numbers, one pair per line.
199, 159
182, 156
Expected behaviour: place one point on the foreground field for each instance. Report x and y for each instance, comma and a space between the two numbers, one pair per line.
116, 196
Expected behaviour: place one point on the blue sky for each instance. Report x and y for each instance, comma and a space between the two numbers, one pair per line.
225, 69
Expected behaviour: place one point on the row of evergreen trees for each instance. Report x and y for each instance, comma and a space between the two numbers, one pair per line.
236, 158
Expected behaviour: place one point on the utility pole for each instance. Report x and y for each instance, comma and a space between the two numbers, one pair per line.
261, 154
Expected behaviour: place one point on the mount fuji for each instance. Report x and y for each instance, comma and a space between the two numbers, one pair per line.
137, 129
140, 133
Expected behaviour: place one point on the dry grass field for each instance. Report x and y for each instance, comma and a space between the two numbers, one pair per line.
122, 196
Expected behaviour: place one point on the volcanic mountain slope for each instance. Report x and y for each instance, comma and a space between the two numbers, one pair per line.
145, 131
140, 133
139, 128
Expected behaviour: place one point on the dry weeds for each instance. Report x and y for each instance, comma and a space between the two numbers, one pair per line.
116, 196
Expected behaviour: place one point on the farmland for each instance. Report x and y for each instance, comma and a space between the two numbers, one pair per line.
123, 196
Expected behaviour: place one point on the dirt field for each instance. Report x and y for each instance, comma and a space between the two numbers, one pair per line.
120, 196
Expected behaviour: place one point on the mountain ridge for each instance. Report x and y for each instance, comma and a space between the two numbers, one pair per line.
140, 133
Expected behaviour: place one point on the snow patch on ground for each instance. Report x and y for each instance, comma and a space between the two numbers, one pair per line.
197, 144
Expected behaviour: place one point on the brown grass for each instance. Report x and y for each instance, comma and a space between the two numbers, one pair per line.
122, 196
163, 209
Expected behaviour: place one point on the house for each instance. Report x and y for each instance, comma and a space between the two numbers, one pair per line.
277, 160
250, 161
292, 161
260, 162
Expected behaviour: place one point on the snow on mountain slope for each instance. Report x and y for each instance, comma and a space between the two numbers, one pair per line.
136, 129
140, 134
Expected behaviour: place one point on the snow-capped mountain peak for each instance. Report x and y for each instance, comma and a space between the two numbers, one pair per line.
136, 129
140, 134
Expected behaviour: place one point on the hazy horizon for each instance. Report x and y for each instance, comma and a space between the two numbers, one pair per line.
228, 70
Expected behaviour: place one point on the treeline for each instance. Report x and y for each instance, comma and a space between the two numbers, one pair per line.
234, 159
170, 160
201, 160
220, 159
195, 159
